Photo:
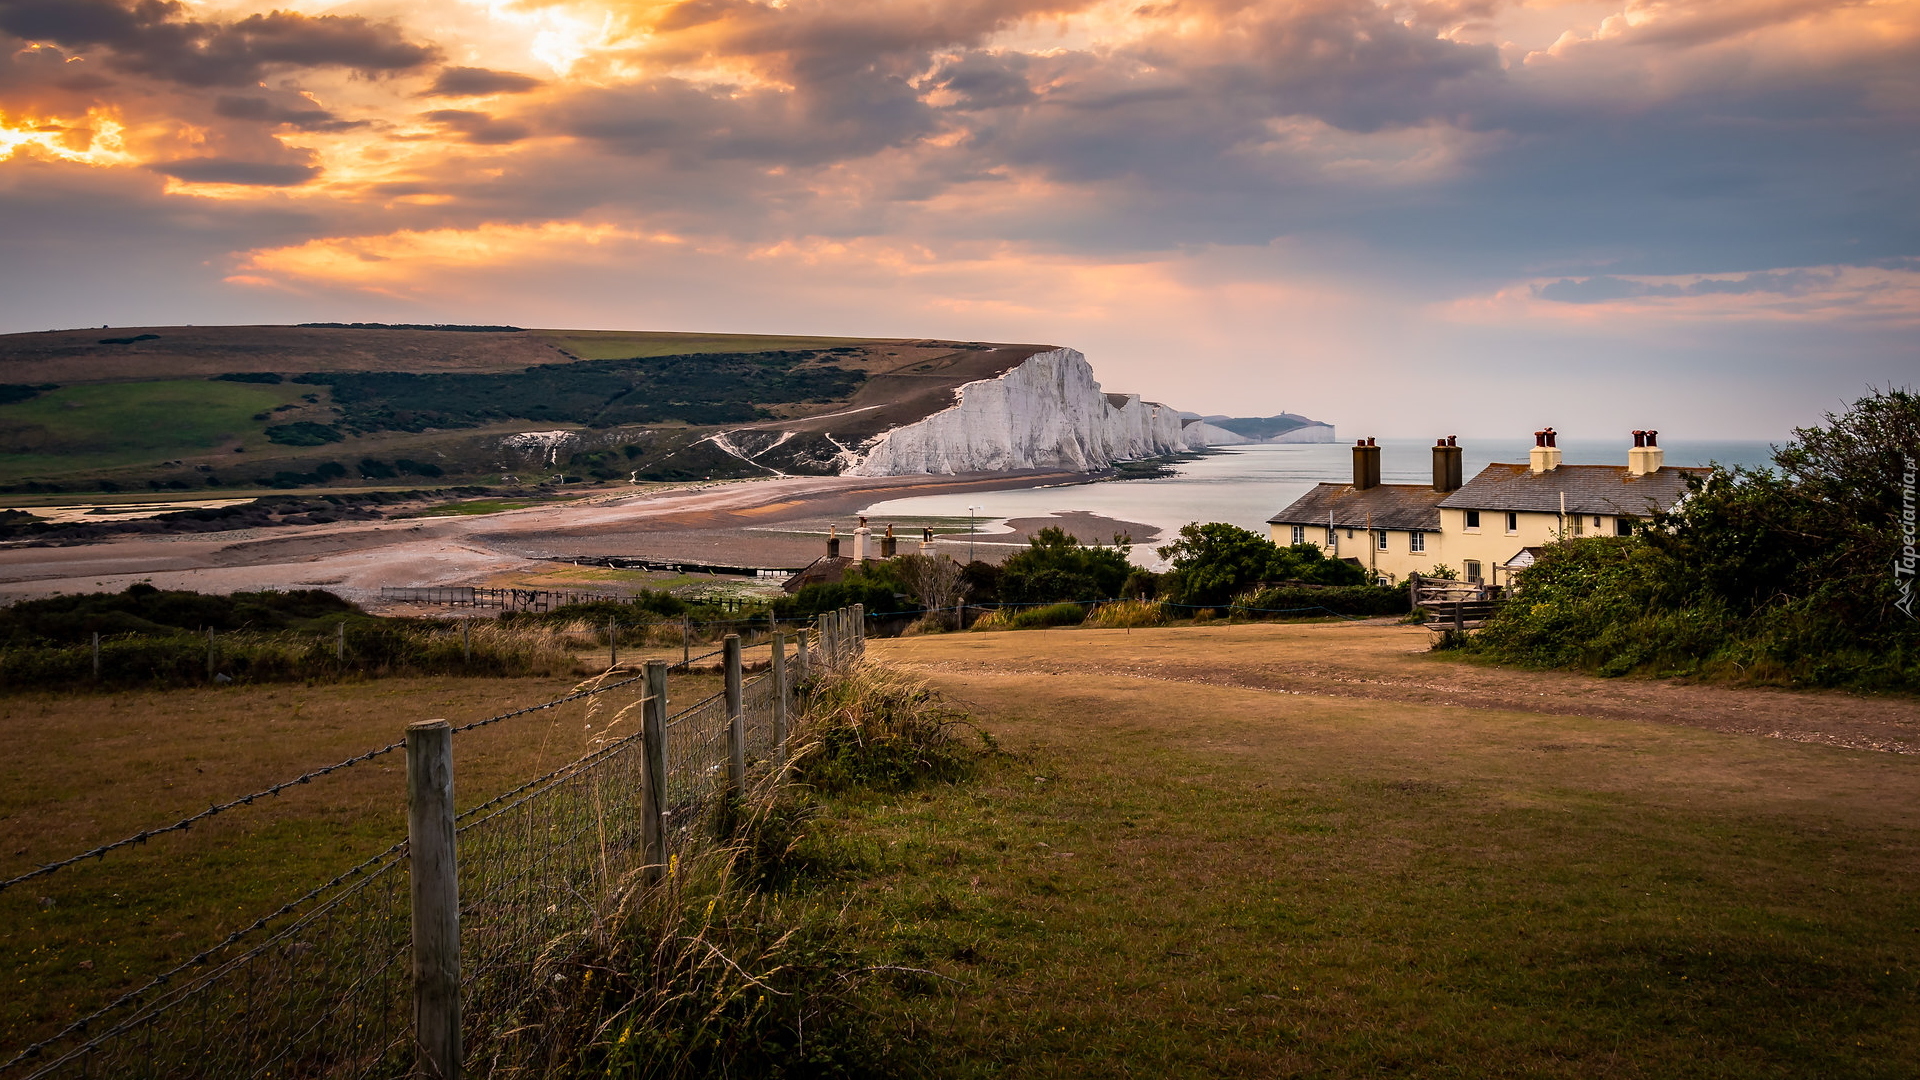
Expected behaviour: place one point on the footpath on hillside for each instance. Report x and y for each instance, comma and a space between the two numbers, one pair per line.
1381, 660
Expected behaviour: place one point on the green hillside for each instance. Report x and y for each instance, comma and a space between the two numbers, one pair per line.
361, 404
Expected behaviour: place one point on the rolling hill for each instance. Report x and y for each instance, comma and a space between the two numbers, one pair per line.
184, 407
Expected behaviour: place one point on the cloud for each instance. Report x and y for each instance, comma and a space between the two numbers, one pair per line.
1887, 295
161, 39
235, 107
216, 170
480, 82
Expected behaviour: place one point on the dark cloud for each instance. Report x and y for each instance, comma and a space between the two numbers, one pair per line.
475, 82
214, 170
309, 118
480, 128
160, 38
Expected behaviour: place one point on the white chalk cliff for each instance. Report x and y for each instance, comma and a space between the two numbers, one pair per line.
1046, 413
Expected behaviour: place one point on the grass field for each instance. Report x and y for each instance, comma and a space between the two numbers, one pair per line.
1176, 865
77, 771
103, 425
627, 344
1171, 878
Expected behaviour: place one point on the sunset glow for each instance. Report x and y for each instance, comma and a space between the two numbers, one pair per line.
1484, 180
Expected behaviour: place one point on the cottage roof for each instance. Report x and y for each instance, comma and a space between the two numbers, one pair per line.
1590, 489
1387, 506
825, 570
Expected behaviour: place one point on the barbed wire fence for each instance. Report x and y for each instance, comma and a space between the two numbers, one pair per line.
342, 981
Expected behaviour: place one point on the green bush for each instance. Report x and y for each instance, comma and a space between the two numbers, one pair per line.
1280, 601
1213, 563
1787, 576
1056, 566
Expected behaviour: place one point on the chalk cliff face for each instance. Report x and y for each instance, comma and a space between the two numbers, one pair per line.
1047, 413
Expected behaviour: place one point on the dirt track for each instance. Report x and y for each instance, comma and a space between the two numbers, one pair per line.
1382, 661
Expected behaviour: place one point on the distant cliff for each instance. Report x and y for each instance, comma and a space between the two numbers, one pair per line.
1244, 430
1045, 413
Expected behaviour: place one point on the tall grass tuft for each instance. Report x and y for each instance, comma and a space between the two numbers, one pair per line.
1122, 614
732, 965
1033, 618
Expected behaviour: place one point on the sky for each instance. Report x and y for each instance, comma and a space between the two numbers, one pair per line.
1469, 216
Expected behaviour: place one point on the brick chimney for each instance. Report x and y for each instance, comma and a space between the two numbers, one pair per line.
833, 541
1446, 464
1546, 452
1366, 465
1646, 455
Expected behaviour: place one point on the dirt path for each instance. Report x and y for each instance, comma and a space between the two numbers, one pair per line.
1382, 661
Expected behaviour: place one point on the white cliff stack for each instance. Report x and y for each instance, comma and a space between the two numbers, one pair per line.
1047, 413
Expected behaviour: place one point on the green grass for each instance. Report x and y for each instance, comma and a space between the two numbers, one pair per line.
626, 344
102, 425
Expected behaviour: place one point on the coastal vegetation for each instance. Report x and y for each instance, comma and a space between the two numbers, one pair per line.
1793, 575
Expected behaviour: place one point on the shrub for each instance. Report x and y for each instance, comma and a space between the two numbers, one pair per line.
1056, 566
1287, 601
303, 433
1213, 563
1127, 613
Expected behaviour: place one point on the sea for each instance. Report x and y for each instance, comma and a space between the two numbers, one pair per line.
1245, 485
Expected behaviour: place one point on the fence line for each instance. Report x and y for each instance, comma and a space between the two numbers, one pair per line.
325, 989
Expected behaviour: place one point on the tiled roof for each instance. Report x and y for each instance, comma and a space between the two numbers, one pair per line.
1590, 489
1388, 506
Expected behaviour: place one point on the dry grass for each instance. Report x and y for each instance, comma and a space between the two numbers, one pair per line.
77, 771
1126, 614
1192, 879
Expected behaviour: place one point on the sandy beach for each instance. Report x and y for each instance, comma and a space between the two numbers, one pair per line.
774, 523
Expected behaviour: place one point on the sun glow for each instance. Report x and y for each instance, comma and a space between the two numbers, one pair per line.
98, 139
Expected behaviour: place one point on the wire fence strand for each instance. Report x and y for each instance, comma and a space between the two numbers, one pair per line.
321, 987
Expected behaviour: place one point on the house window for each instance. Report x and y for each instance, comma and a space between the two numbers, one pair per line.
1622, 526
1578, 523
1332, 540
1471, 567
1299, 534
1473, 519
1416, 541
1380, 539
1513, 523
1596, 523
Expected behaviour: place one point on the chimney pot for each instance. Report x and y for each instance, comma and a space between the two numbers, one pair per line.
1366, 465
1653, 438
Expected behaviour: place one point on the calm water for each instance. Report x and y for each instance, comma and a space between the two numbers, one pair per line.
1246, 485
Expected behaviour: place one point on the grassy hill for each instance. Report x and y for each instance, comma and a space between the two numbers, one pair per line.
343, 405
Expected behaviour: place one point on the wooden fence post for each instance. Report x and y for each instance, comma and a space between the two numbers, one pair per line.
1413, 592
779, 700
800, 654
96, 656
736, 721
436, 901
209, 654
613, 646
1460, 616
653, 764
340, 643
859, 629
466, 640
686, 639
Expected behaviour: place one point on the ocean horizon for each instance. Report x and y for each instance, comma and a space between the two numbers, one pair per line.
1245, 485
